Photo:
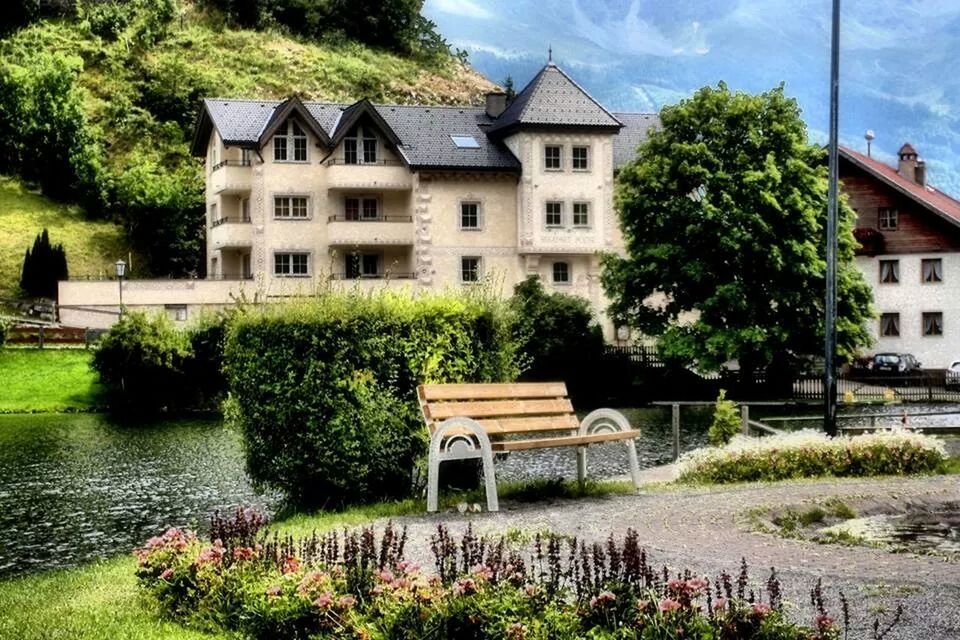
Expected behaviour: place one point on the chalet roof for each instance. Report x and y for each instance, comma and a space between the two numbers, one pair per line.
553, 100
421, 134
926, 196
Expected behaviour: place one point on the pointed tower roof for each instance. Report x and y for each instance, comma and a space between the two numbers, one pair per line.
552, 100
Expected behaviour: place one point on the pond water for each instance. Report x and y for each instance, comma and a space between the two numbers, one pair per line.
929, 530
76, 487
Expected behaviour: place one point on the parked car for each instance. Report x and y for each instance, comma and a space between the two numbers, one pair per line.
899, 364
952, 380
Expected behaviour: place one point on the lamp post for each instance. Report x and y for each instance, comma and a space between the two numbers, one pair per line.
121, 270
830, 304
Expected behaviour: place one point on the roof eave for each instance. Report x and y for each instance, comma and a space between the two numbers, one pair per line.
897, 187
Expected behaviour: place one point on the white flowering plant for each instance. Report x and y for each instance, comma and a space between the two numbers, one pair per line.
809, 453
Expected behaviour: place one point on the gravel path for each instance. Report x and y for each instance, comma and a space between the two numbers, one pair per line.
704, 529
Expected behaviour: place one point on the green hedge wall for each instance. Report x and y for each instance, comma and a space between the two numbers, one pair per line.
325, 390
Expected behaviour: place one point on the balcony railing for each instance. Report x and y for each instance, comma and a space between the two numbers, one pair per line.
229, 220
231, 163
230, 276
378, 163
391, 275
343, 218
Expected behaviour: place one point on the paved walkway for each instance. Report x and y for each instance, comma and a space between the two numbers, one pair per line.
703, 529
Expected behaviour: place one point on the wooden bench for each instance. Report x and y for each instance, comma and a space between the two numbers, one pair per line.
471, 421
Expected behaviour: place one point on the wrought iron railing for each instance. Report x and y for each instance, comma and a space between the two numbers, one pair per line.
390, 275
229, 220
231, 163
379, 163
344, 218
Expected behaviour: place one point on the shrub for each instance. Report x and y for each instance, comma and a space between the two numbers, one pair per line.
141, 362
324, 390
726, 421
558, 339
806, 454
359, 585
4, 330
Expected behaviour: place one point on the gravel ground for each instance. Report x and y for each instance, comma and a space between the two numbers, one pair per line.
704, 530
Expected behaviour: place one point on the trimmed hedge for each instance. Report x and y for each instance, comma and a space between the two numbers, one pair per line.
810, 454
324, 390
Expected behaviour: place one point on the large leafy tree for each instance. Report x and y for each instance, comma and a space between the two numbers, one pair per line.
724, 215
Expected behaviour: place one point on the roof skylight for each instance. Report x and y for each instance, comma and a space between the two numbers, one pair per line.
465, 142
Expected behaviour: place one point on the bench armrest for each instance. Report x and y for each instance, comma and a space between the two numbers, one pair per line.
604, 421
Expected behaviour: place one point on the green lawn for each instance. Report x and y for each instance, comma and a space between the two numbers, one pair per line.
92, 245
47, 380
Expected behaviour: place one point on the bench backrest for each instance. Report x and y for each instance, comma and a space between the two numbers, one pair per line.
501, 409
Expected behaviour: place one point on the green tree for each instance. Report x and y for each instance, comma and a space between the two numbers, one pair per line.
724, 214
43, 266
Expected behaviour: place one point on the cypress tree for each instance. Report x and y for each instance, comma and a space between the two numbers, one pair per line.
43, 266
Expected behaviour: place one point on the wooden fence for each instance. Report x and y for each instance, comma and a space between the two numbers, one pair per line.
42, 336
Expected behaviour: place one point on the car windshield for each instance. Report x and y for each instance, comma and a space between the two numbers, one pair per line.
888, 358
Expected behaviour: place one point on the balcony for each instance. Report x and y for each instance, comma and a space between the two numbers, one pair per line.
385, 230
231, 176
385, 175
226, 233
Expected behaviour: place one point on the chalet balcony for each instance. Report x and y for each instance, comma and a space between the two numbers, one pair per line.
231, 176
385, 175
231, 232
871, 241
385, 230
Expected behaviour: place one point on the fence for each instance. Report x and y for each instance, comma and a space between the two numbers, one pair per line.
43, 336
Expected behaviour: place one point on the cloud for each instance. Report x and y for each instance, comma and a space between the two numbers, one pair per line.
632, 34
464, 8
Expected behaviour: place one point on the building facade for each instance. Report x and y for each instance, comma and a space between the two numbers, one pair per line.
302, 195
909, 234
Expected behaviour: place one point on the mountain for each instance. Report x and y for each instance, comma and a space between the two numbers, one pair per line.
642, 54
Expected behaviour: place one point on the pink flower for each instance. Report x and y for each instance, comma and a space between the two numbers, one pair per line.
291, 564
482, 572
761, 609
696, 585
603, 599
166, 574
386, 575
465, 586
669, 604
530, 590
824, 622
324, 601
274, 591
243, 553
676, 585
720, 603
345, 602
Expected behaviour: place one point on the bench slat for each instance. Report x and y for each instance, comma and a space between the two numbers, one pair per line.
497, 408
431, 392
569, 441
504, 426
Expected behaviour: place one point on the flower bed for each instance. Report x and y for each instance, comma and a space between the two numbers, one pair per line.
809, 453
358, 585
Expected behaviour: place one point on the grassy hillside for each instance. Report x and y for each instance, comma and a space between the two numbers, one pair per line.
92, 245
136, 100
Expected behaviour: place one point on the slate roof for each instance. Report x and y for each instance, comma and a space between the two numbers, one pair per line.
936, 201
552, 99
422, 134
636, 128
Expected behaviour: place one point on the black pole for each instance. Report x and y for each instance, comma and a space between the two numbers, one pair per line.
120, 285
830, 306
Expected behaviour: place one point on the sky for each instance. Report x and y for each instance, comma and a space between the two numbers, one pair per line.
898, 72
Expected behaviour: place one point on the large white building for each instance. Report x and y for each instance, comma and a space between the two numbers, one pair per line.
300, 195
910, 255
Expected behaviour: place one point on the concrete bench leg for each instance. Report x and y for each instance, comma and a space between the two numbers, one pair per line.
449, 442
608, 420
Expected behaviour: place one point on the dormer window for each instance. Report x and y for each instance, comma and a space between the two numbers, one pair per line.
360, 147
290, 143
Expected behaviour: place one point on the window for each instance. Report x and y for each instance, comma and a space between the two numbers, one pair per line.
889, 271
246, 156
371, 209
887, 219
214, 217
932, 269
290, 136
290, 264
890, 325
290, 207
553, 158
933, 323
361, 208
177, 312
360, 147
470, 216
561, 272
465, 142
245, 209
470, 269
581, 214
362, 265
581, 158
554, 214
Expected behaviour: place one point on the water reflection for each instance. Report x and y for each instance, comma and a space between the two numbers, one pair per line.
78, 487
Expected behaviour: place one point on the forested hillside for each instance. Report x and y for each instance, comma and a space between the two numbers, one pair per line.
98, 98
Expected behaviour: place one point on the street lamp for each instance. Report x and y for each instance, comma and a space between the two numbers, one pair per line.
830, 304
121, 270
